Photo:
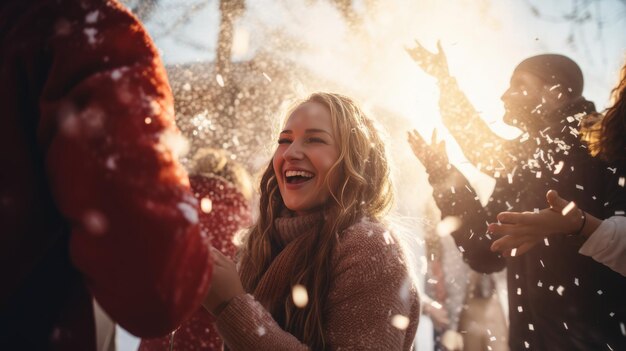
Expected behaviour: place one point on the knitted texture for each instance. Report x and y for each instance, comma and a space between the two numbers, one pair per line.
93, 203
228, 213
371, 295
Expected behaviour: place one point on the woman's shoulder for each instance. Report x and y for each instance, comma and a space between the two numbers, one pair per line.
365, 230
371, 240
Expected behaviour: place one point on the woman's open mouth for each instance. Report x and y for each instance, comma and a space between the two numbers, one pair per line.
298, 177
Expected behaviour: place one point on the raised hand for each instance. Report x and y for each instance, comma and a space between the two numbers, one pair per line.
435, 64
522, 231
432, 155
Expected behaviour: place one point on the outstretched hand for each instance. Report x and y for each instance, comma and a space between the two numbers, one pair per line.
225, 284
522, 231
429, 155
435, 64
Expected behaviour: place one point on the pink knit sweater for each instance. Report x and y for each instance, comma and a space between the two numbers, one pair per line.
370, 297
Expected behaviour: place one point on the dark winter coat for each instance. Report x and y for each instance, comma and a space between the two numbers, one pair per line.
558, 298
92, 201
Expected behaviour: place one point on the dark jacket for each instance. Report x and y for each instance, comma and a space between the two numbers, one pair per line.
558, 298
93, 203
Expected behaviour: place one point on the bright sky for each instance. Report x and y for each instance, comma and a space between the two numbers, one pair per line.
484, 41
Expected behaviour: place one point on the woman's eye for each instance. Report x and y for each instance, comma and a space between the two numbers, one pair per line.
284, 141
316, 140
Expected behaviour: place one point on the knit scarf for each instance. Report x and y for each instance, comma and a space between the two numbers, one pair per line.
275, 285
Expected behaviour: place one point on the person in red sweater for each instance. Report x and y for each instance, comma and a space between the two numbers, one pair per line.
224, 190
93, 203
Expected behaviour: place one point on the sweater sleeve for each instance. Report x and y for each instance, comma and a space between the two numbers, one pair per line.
246, 325
105, 131
607, 244
373, 304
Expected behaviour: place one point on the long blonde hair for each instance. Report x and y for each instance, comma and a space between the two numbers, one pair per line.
364, 190
610, 141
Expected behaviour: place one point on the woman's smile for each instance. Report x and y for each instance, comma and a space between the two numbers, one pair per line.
306, 153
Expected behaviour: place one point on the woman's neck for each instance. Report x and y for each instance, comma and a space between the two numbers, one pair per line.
290, 227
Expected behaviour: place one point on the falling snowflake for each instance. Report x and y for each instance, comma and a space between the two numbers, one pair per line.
220, 80
95, 222
400, 322
560, 290
206, 205
92, 17
300, 296
570, 206
91, 35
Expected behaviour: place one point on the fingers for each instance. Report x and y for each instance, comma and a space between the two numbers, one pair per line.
439, 48
525, 247
501, 244
411, 53
441, 147
507, 229
219, 258
513, 217
416, 140
514, 245
217, 253
555, 201
414, 137
419, 46
418, 52
433, 137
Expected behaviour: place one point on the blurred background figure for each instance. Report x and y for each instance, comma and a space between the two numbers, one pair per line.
463, 304
224, 189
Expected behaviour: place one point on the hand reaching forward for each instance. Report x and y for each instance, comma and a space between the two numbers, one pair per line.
432, 155
225, 284
522, 231
434, 64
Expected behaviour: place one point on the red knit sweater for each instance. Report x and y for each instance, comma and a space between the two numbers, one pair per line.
225, 212
92, 201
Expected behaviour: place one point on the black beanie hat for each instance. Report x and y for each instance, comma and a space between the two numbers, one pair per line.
555, 69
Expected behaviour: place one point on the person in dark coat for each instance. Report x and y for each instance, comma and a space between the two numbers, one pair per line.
558, 299
93, 203
605, 240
